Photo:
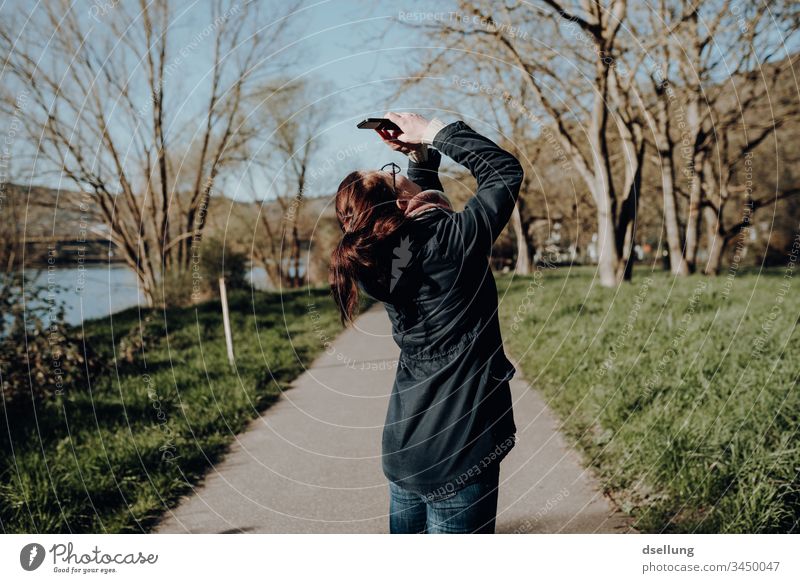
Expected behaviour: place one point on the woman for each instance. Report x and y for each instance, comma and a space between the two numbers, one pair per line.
449, 422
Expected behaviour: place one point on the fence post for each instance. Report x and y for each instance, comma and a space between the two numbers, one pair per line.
226, 319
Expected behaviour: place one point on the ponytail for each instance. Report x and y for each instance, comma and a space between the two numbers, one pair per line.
344, 277
366, 207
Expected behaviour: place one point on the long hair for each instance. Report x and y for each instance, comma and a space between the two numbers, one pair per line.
366, 206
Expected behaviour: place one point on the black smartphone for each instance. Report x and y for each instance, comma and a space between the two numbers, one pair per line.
378, 123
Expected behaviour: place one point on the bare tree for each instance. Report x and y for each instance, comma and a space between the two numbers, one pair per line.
594, 27
108, 111
730, 172
619, 81
575, 93
708, 57
510, 112
297, 115
650, 47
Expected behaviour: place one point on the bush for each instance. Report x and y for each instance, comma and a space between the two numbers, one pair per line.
39, 354
214, 259
217, 260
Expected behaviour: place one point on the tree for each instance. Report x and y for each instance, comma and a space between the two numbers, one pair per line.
510, 112
706, 71
570, 78
734, 174
625, 86
107, 111
656, 103
297, 117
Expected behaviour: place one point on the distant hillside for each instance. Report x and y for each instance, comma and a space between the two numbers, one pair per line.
41, 214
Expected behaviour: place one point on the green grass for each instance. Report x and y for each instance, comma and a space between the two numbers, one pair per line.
681, 393
112, 457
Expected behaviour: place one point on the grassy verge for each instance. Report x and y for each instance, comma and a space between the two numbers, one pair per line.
682, 394
111, 457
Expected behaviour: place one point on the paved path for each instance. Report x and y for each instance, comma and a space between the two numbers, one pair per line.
311, 462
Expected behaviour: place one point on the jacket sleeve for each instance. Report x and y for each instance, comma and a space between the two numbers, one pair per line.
499, 176
426, 173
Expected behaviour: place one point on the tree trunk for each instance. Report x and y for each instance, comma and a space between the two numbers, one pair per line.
607, 259
625, 265
604, 196
524, 264
666, 154
295, 257
716, 241
626, 223
677, 262
691, 143
633, 145
693, 214
626, 230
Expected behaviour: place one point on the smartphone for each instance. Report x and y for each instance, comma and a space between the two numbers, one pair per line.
378, 123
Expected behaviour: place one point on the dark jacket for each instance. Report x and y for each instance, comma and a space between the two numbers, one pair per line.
449, 417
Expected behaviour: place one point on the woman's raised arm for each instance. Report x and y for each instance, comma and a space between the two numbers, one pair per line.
499, 176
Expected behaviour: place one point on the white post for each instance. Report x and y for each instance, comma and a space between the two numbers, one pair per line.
226, 319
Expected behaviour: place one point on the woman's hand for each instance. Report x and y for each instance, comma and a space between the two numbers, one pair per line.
390, 138
408, 140
412, 126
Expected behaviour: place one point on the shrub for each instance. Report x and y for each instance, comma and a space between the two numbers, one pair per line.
214, 259
39, 354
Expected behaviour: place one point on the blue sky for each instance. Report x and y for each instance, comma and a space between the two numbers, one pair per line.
359, 53
354, 51
358, 50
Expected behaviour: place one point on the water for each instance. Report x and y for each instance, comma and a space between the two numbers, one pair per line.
93, 292
103, 289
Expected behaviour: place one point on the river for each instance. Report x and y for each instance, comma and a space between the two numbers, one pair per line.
103, 289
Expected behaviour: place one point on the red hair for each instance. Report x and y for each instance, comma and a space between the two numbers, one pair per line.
366, 207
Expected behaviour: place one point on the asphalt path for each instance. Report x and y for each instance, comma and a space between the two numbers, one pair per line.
311, 462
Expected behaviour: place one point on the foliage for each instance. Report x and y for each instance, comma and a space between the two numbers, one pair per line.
212, 260
39, 355
218, 259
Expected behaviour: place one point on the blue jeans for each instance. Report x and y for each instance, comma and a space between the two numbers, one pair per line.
472, 509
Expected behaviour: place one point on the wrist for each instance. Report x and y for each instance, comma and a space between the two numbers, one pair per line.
419, 155
434, 126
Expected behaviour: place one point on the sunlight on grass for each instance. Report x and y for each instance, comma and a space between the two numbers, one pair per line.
682, 393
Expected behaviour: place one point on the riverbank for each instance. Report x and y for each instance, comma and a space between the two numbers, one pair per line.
95, 290
112, 456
